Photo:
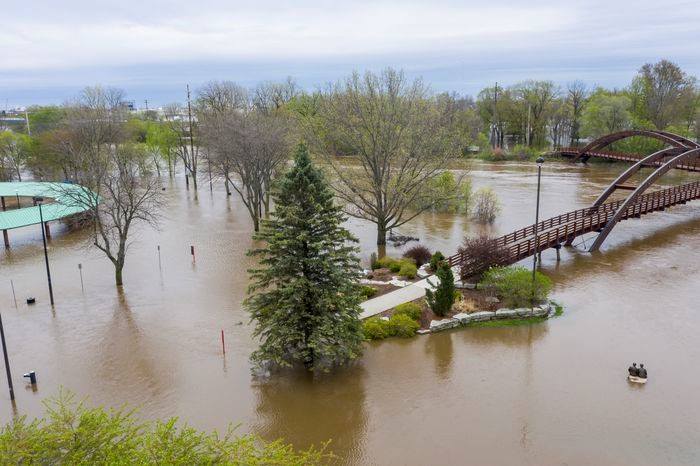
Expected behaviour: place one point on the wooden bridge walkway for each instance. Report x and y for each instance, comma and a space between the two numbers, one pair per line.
562, 229
573, 152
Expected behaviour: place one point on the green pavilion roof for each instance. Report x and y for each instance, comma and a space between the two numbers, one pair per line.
59, 203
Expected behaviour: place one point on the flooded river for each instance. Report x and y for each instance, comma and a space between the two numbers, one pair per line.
547, 394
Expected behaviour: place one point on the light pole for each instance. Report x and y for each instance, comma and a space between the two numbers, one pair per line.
540, 161
39, 201
7, 362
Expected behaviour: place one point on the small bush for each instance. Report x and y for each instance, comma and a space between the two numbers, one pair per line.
368, 291
435, 260
375, 328
486, 206
420, 254
411, 310
385, 262
395, 265
479, 255
408, 270
442, 299
373, 262
403, 326
464, 305
513, 285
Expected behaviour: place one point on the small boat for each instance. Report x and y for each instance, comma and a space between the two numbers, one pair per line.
635, 379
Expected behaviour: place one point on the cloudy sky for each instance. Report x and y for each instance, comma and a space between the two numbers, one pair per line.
50, 49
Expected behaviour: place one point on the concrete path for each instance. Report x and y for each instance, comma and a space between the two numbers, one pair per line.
392, 299
382, 303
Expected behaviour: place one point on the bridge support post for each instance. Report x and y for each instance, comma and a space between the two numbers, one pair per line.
6, 239
558, 249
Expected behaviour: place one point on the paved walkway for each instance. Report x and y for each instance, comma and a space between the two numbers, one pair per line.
392, 299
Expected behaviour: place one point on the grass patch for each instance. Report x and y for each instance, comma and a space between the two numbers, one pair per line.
558, 309
507, 322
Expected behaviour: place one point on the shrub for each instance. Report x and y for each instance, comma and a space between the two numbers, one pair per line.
408, 270
420, 254
385, 262
442, 299
403, 326
411, 310
375, 328
74, 433
435, 260
465, 305
513, 285
373, 262
479, 255
486, 206
395, 265
368, 291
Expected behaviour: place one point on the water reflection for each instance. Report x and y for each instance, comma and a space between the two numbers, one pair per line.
311, 409
442, 351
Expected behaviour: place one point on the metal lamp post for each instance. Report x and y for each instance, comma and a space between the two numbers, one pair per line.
7, 362
39, 201
540, 161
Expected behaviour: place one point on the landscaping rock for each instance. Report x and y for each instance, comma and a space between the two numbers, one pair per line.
385, 318
506, 314
463, 318
444, 324
540, 312
423, 331
423, 271
524, 312
464, 286
482, 316
492, 299
400, 283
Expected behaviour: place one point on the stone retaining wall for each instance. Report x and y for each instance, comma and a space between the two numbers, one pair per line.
462, 319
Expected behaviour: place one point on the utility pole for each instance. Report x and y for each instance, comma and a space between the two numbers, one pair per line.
26, 119
193, 159
495, 116
7, 362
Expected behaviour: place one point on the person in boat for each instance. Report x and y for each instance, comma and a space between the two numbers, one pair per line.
642, 374
634, 370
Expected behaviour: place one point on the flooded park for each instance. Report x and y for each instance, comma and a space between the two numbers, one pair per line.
548, 393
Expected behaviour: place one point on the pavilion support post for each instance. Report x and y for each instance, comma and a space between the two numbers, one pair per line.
2, 201
6, 239
558, 248
48, 230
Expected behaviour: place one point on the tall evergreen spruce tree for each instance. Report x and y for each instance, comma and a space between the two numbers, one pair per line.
304, 298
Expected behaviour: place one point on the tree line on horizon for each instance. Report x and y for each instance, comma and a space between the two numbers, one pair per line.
398, 135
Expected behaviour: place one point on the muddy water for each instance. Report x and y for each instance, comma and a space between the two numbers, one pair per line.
552, 393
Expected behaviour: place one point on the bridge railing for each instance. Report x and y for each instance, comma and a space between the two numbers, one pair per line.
557, 230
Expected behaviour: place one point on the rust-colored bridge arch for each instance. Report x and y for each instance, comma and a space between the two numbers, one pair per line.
678, 144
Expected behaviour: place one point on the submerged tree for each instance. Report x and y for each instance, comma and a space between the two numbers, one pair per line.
402, 137
304, 298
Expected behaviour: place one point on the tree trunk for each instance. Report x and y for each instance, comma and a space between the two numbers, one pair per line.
118, 275
381, 234
256, 223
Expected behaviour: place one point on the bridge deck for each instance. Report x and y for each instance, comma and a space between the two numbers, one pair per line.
557, 230
622, 157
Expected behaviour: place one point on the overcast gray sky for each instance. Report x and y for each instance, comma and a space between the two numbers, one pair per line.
49, 49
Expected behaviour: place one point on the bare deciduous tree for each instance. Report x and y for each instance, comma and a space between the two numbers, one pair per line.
401, 135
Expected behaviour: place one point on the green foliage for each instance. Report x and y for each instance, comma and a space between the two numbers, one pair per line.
396, 265
408, 270
419, 254
403, 326
385, 263
368, 291
74, 434
375, 328
411, 310
398, 325
373, 262
523, 152
442, 299
513, 285
605, 113
435, 261
303, 297
445, 193
486, 206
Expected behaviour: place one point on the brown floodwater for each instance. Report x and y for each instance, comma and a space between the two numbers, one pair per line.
550, 393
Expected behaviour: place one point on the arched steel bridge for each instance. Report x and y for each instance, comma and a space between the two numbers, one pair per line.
604, 214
